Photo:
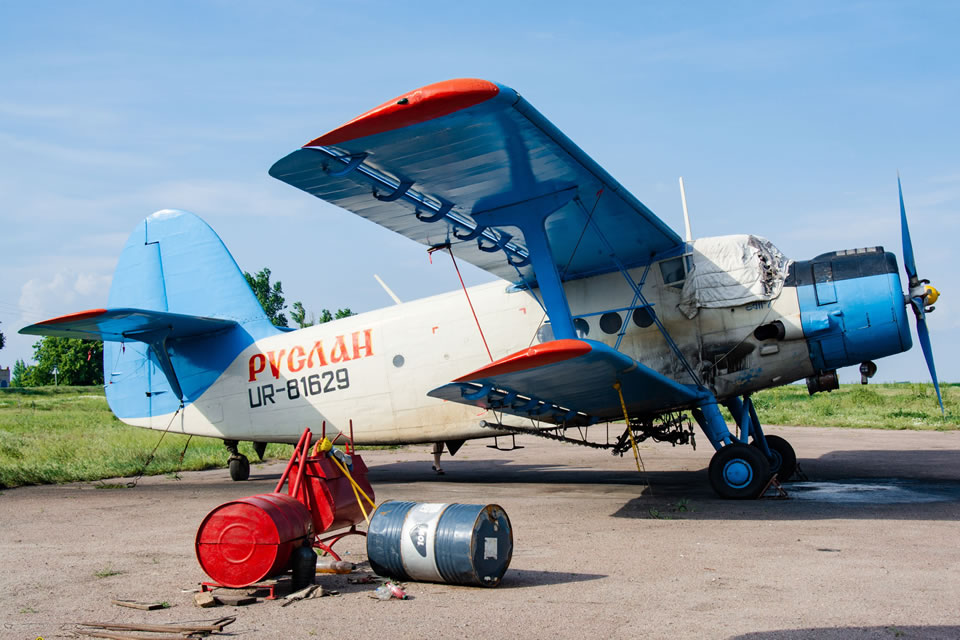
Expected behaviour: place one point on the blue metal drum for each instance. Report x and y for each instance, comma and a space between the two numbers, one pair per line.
467, 544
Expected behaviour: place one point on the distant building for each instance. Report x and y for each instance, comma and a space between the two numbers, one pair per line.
4, 378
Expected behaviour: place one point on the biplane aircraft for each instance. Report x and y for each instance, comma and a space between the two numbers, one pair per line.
601, 312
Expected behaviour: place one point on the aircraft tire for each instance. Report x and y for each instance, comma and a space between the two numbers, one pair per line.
784, 462
739, 472
239, 468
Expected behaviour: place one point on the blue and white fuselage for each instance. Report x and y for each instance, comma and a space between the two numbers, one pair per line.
252, 381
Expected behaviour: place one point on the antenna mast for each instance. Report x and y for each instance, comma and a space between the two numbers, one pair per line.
686, 214
387, 289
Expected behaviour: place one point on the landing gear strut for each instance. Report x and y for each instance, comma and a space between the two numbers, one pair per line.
238, 463
779, 453
742, 467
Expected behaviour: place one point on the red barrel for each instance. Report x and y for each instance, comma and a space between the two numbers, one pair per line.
244, 541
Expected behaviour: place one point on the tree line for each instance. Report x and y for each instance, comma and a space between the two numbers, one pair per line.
75, 362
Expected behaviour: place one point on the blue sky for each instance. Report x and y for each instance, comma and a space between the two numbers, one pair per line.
786, 119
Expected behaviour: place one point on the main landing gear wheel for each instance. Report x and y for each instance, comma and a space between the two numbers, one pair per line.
739, 471
239, 468
784, 462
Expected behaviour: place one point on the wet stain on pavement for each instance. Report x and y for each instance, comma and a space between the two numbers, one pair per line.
874, 491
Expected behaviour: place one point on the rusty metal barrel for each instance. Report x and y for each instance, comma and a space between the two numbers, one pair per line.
466, 544
244, 541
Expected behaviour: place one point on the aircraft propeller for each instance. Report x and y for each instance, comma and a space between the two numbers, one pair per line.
920, 296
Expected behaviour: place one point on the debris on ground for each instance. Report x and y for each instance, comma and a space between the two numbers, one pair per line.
329, 565
144, 606
234, 599
313, 591
389, 590
303, 594
116, 631
204, 599
115, 635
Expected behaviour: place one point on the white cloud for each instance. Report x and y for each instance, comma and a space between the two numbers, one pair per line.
65, 292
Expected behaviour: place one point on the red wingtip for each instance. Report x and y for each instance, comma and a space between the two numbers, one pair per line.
72, 317
537, 356
419, 105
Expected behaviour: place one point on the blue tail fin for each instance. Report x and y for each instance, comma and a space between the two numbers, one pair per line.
174, 262
179, 312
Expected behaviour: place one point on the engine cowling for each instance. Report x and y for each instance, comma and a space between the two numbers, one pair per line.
851, 307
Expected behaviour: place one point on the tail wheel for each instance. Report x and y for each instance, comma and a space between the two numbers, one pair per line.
239, 468
784, 462
739, 471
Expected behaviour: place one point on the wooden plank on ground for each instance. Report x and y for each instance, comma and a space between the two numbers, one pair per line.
133, 604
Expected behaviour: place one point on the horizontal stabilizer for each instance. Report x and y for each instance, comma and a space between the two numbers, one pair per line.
570, 382
122, 325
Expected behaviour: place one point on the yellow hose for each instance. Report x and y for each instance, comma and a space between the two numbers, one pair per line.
356, 487
626, 418
360, 502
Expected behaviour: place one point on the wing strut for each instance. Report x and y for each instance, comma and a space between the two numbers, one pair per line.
529, 217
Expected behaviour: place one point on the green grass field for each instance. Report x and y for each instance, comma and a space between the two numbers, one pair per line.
876, 406
67, 434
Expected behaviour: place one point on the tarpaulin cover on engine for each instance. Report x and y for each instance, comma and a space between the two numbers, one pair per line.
729, 271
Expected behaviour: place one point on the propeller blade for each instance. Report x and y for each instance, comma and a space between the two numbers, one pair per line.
908, 262
924, 335
917, 296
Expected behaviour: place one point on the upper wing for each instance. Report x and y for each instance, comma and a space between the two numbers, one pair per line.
429, 163
571, 382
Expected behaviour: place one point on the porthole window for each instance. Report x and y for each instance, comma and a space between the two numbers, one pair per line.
610, 322
642, 317
398, 361
545, 332
582, 327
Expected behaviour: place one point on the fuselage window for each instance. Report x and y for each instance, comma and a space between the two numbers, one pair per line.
642, 317
582, 327
545, 332
610, 322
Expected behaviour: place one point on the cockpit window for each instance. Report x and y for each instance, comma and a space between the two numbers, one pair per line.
673, 271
